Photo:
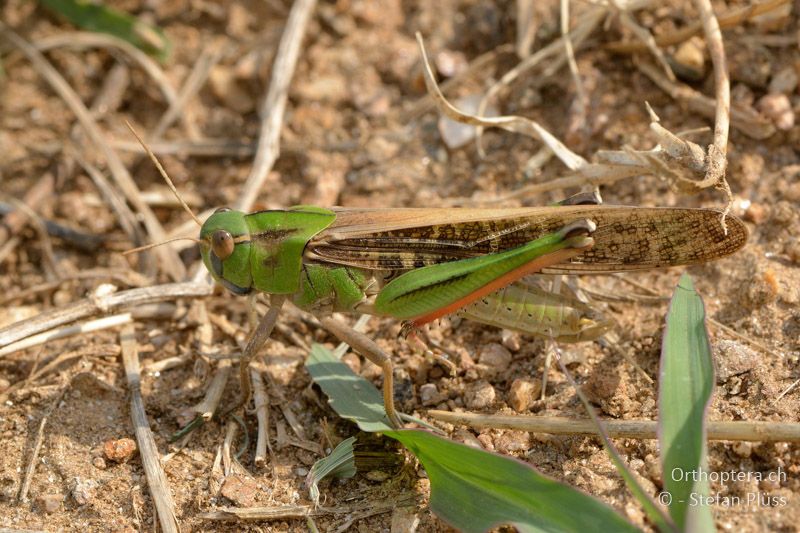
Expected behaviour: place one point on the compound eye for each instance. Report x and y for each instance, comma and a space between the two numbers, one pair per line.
222, 210
222, 244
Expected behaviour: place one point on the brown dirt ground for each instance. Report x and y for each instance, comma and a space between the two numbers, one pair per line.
346, 141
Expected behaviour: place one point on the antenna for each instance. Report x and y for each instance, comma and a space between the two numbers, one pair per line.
166, 178
148, 246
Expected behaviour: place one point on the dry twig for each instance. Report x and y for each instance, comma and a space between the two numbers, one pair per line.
194, 82
514, 124
623, 429
37, 446
728, 20
156, 479
274, 103
208, 406
101, 305
105, 40
717, 162
261, 400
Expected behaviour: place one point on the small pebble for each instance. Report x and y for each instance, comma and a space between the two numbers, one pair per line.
523, 393
428, 394
99, 463
467, 438
50, 503
495, 357
733, 358
83, 491
486, 441
743, 449
784, 81
4, 384
510, 340
241, 490
480, 395
778, 109
119, 451
513, 441
690, 56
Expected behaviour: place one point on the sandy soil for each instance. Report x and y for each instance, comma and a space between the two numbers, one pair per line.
350, 138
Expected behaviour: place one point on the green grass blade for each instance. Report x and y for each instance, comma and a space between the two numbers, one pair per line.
471, 489
686, 382
96, 17
341, 463
655, 513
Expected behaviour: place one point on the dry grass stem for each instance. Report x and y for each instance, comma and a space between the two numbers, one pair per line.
125, 217
367, 508
261, 401
623, 429
170, 260
208, 406
82, 40
478, 66
37, 446
194, 148
746, 120
274, 103
728, 20
514, 124
209, 57
258, 513
112, 92
554, 51
526, 28
227, 445
714, 322
68, 331
100, 305
644, 35
167, 364
717, 162
156, 479
580, 92
123, 277
36, 374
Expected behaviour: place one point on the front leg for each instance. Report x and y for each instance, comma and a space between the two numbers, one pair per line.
256, 340
369, 349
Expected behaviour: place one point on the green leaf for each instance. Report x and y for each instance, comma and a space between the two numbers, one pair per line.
96, 17
474, 490
686, 383
353, 397
471, 489
341, 463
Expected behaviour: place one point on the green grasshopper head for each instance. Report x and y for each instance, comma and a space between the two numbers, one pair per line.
225, 247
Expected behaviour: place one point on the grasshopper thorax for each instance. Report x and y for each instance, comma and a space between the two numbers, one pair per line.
225, 248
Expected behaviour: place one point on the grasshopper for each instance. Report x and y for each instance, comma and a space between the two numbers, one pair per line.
420, 264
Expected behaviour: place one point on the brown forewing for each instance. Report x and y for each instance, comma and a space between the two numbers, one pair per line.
627, 238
